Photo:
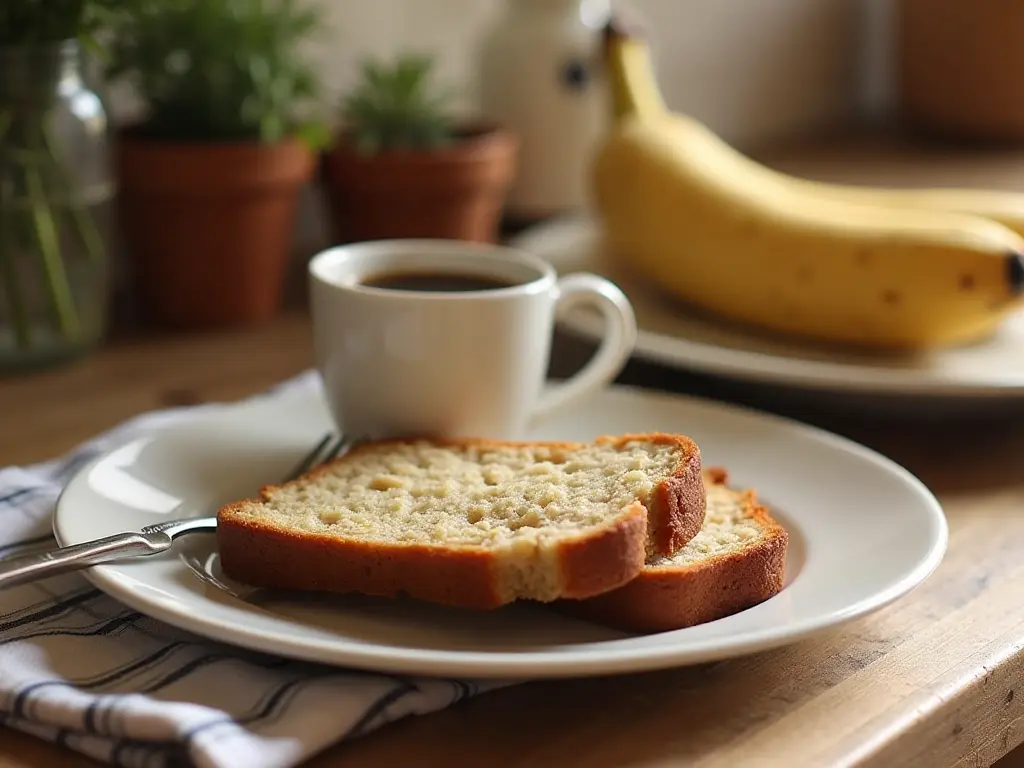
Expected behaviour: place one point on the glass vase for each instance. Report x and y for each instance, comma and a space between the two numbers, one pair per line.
56, 194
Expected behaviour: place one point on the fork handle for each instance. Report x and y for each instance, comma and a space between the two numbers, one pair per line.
22, 570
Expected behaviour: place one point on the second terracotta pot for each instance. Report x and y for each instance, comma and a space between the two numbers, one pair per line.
455, 192
209, 226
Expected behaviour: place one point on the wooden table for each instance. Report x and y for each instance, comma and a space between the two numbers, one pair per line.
935, 680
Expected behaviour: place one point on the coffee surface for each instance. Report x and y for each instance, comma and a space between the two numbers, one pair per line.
434, 281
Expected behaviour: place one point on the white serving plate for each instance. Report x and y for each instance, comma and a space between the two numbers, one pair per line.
984, 376
863, 533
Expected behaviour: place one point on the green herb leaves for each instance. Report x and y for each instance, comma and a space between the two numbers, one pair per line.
394, 108
218, 70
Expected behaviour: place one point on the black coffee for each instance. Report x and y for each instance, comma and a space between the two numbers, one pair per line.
434, 281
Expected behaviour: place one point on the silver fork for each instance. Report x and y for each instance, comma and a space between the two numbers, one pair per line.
151, 540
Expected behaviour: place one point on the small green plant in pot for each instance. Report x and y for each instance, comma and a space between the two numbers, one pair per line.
403, 165
211, 174
55, 184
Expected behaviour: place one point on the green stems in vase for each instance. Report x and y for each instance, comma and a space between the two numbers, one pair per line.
83, 223
8, 269
31, 224
45, 229
53, 175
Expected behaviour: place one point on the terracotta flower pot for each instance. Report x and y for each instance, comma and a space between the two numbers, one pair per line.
455, 192
208, 227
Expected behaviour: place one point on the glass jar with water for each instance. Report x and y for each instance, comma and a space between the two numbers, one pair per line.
56, 193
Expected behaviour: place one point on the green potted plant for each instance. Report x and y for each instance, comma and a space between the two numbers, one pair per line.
209, 177
403, 165
55, 184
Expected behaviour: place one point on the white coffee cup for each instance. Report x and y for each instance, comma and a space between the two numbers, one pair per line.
462, 362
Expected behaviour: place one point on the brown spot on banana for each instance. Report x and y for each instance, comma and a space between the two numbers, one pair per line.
1015, 272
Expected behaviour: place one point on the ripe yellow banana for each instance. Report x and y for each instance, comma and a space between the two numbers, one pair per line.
725, 234
1004, 207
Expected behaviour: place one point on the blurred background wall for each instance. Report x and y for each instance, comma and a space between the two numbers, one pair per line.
756, 71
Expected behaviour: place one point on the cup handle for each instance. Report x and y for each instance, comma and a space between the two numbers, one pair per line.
614, 349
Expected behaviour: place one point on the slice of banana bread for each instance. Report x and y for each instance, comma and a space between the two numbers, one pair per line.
471, 523
736, 561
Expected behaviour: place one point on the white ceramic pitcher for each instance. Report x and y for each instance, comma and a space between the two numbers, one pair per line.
540, 74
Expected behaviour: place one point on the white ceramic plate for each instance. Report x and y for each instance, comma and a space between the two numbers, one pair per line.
672, 335
863, 533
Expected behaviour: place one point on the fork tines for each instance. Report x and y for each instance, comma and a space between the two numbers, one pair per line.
329, 447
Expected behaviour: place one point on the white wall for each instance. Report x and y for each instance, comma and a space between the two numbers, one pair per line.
753, 69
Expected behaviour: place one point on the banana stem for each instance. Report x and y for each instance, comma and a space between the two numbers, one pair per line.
632, 78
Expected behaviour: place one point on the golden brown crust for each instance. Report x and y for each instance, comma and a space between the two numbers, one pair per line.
264, 557
590, 564
665, 598
607, 559
676, 509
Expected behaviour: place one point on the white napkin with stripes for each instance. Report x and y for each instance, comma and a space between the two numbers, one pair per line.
82, 670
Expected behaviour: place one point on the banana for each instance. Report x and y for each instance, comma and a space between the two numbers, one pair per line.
725, 234
1004, 207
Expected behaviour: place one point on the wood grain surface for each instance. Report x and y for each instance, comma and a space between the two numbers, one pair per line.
936, 679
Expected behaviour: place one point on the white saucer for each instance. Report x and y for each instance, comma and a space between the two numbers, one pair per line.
863, 533
672, 335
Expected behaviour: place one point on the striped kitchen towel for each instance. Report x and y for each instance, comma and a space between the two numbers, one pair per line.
82, 670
